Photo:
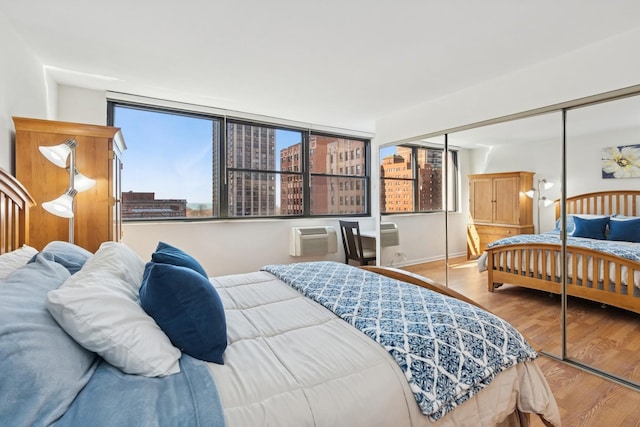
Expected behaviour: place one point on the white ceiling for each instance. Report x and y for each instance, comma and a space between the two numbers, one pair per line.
339, 63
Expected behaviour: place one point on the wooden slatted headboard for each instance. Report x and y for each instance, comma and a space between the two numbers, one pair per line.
15, 202
621, 202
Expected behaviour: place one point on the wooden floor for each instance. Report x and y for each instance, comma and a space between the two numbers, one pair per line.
604, 337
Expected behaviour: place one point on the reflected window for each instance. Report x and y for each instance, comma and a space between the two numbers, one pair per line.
412, 179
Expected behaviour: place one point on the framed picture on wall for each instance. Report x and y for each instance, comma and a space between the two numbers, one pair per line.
621, 162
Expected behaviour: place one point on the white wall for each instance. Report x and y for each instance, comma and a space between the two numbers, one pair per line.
228, 247
22, 89
598, 68
81, 105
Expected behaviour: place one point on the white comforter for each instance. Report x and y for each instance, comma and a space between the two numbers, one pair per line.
291, 362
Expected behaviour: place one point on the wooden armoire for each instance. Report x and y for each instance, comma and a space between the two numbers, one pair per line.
98, 156
498, 207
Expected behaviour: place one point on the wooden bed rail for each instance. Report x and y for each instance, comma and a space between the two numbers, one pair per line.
596, 276
415, 279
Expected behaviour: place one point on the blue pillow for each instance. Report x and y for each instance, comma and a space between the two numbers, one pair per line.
591, 228
70, 256
43, 368
187, 308
626, 230
167, 254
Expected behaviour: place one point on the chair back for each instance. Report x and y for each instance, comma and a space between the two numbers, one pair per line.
352, 242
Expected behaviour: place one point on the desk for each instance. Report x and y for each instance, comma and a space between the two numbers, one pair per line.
388, 235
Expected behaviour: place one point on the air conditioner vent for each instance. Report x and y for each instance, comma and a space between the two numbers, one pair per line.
307, 241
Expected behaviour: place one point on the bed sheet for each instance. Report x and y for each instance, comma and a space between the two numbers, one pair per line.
289, 355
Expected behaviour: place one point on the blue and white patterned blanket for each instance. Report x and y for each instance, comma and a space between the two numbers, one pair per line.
625, 250
447, 348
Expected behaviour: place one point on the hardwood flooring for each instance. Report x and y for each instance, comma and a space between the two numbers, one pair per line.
607, 338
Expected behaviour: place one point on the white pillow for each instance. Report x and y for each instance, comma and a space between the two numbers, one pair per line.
98, 306
11, 261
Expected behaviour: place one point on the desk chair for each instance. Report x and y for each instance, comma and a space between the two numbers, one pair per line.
352, 243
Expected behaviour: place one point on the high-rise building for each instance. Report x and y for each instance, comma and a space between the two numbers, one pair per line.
251, 147
329, 195
291, 202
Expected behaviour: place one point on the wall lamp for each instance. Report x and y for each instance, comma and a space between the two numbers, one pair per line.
64, 205
543, 201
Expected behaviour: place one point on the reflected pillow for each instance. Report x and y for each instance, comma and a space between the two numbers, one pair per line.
571, 226
167, 254
624, 229
188, 309
590, 228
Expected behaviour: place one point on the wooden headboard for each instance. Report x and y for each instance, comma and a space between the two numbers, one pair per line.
15, 202
621, 202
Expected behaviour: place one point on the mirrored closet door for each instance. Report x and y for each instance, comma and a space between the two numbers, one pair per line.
583, 161
511, 179
412, 196
603, 161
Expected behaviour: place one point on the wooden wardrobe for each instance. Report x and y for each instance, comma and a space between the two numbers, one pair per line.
498, 207
97, 211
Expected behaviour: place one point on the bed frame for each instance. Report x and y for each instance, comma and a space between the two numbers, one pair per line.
15, 202
539, 266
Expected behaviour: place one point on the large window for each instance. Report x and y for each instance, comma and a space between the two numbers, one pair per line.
338, 176
188, 165
412, 179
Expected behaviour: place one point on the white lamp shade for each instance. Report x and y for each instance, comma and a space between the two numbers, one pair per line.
546, 184
82, 183
530, 193
56, 154
62, 206
546, 202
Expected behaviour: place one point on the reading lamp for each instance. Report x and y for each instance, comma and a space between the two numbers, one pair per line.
63, 206
543, 184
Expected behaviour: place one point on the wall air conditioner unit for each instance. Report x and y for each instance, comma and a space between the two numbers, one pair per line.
305, 241
389, 235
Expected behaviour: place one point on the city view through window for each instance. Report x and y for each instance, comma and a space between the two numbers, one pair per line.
173, 159
411, 179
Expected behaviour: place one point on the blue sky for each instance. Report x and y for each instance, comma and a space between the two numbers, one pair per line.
171, 155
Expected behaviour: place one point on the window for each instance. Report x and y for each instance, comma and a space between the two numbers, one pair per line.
188, 165
412, 179
325, 175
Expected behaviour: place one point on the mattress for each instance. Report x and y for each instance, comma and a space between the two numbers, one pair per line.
291, 362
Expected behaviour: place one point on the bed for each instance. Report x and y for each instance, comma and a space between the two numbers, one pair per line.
603, 260
106, 338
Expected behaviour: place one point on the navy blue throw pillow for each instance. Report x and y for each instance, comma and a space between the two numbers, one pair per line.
187, 308
167, 254
626, 230
592, 228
